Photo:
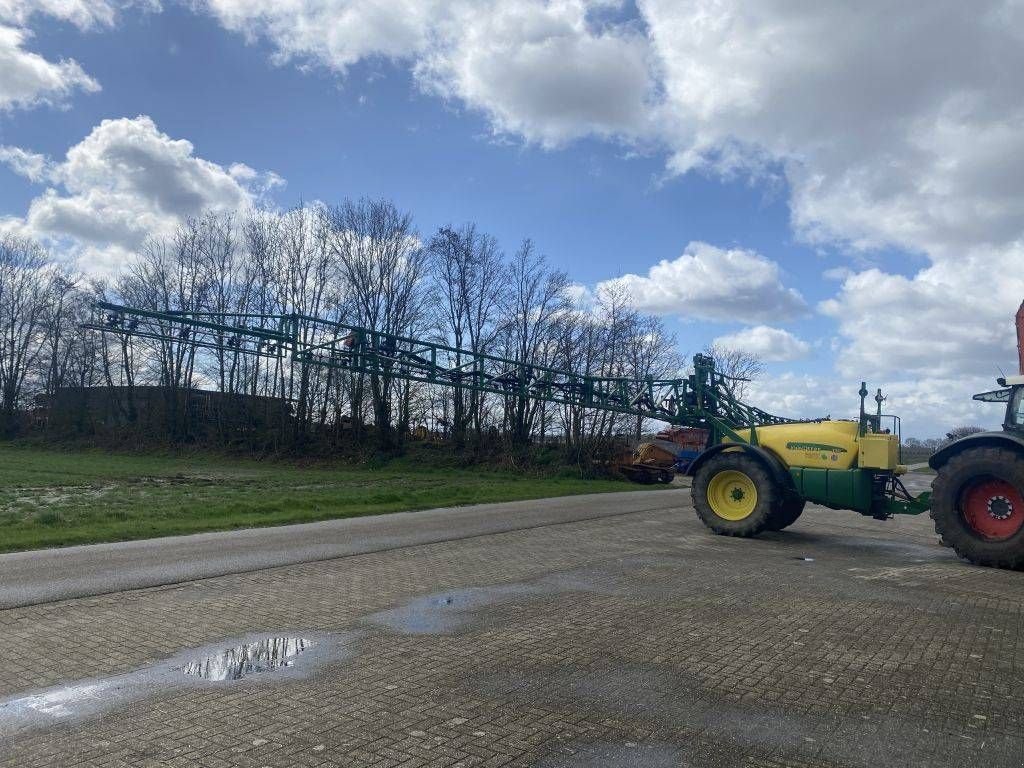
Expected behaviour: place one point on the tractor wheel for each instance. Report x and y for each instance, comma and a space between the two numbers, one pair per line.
978, 506
734, 494
789, 510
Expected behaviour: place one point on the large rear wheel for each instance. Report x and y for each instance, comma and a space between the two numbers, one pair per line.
789, 510
734, 494
978, 506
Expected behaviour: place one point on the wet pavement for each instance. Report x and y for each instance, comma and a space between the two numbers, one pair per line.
637, 639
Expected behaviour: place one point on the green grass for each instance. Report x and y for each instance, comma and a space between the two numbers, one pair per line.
52, 498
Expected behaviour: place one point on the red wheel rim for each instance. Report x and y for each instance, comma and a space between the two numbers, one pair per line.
993, 509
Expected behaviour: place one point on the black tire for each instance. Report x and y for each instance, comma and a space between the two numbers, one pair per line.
768, 494
647, 477
638, 475
953, 479
789, 510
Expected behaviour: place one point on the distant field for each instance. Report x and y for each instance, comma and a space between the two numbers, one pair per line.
54, 498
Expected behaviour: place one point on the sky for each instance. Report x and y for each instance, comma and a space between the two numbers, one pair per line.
836, 187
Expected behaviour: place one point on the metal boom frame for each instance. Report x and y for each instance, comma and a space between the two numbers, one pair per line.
702, 399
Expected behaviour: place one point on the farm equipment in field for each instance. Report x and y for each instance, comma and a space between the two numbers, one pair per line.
752, 471
659, 459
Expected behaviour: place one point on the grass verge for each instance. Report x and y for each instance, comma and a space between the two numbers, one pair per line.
51, 498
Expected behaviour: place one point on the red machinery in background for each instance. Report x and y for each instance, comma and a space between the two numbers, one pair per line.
658, 459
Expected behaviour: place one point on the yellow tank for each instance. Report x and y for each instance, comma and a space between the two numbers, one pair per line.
819, 444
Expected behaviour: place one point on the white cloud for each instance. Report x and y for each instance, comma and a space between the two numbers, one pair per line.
29, 80
332, 33
885, 139
713, 284
84, 14
773, 345
31, 165
951, 318
541, 70
544, 70
127, 181
837, 273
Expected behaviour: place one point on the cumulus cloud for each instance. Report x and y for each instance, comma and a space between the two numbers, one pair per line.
773, 345
547, 71
711, 283
30, 80
541, 70
884, 136
31, 165
84, 14
953, 317
884, 139
124, 182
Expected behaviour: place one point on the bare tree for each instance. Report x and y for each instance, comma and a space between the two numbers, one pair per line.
382, 266
651, 352
535, 299
171, 277
741, 367
468, 284
26, 280
360, 263
63, 313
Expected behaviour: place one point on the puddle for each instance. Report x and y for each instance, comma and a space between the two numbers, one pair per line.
454, 610
447, 611
62, 702
282, 657
250, 658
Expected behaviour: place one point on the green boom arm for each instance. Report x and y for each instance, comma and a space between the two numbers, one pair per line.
702, 399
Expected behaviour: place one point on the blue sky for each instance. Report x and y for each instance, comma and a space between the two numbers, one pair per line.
542, 136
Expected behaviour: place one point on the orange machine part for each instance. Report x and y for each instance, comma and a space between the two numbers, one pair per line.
1020, 337
687, 438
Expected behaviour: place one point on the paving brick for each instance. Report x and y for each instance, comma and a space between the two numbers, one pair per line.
639, 638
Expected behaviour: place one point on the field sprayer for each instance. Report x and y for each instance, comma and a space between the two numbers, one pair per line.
756, 472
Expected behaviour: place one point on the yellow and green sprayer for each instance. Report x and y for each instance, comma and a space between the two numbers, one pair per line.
753, 472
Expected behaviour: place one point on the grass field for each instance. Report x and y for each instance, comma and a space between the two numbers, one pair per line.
54, 498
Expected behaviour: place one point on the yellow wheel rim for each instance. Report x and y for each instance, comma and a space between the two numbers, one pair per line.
732, 495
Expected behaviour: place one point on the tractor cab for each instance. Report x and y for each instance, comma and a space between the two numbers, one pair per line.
1012, 393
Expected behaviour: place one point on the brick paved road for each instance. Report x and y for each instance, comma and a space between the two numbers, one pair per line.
638, 640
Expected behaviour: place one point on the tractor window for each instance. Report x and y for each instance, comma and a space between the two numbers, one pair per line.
1016, 413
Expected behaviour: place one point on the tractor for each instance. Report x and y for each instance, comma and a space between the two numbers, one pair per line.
978, 491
